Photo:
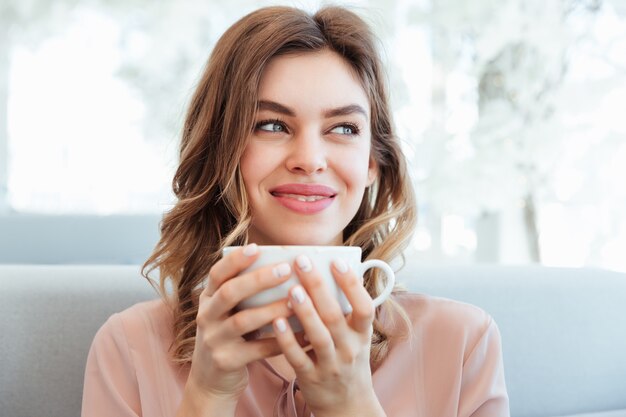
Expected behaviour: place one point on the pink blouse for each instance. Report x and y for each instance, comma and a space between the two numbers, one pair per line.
450, 366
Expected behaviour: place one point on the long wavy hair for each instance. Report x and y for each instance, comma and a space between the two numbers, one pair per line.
212, 209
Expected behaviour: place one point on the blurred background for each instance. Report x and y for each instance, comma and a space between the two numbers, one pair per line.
511, 112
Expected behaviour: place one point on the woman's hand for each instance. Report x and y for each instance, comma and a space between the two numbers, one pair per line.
218, 369
334, 376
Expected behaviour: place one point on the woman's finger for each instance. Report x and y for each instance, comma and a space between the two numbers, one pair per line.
324, 297
230, 266
316, 331
363, 310
231, 357
291, 348
233, 291
249, 320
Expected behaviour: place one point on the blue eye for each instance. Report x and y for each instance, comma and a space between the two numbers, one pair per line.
346, 129
271, 126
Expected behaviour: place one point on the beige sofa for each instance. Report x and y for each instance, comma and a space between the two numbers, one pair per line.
563, 330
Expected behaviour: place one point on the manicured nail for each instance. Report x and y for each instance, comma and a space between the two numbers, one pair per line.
340, 265
281, 270
298, 295
289, 305
304, 263
250, 249
281, 325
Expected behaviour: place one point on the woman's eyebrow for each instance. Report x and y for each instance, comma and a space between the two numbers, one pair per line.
275, 107
345, 110
334, 112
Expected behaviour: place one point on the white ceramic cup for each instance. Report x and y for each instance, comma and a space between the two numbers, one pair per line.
321, 257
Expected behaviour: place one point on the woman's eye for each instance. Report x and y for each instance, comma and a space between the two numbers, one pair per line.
271, 126
345, 130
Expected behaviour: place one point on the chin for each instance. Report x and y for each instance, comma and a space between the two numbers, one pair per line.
310, 241
297, 234
307, 237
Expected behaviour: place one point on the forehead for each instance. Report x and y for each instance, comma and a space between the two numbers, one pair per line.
312, 79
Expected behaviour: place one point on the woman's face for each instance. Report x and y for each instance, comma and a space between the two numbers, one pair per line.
307, 162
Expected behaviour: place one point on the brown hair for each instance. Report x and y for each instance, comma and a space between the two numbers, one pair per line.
212, 209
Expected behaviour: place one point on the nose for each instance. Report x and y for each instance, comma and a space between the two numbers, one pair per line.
307, 155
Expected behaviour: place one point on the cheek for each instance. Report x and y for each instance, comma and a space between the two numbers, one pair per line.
257, 164
245, 166
252, 166
356, 175
360, 169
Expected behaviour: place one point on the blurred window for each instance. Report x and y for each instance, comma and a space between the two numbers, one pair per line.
511, 114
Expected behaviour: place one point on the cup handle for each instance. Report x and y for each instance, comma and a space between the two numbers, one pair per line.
391, 278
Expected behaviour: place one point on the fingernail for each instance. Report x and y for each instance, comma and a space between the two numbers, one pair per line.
250, 249
289, 305
281, 270
298, 295
304, 263
281, 325
340, 265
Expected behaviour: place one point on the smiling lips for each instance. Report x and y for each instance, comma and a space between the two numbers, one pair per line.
304, 198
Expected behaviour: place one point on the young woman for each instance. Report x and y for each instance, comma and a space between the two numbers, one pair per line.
288, 141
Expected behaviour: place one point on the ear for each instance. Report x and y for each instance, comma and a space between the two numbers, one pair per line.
372, 171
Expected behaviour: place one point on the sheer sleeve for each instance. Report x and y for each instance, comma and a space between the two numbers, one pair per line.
483, 389
110, 385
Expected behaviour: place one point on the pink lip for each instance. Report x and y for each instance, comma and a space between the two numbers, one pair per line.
304, 189
288, 195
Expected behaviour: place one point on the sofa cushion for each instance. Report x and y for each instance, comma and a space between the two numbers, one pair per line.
614, 413
48, 317
563, 331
